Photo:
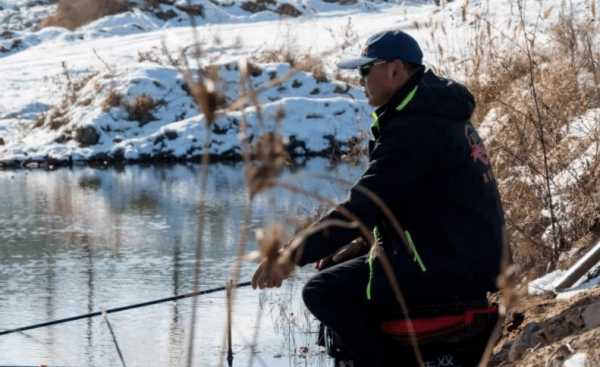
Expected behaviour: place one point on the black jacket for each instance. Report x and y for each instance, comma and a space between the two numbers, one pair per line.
428, 164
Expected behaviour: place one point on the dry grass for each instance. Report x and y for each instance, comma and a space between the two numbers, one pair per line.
57, 117
530, 96
305, 62
141, 109
312, 65
72, 14
113, 99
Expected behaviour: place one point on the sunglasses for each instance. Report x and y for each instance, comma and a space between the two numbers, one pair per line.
365, 69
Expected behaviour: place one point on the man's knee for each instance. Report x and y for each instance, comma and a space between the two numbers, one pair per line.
313, 292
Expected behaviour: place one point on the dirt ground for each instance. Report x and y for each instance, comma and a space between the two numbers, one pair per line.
545, 331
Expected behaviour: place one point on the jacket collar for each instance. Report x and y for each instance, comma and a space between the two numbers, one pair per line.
397, 103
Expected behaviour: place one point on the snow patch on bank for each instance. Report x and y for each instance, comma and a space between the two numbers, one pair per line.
576, 360
546, 283
550, 281
147, 111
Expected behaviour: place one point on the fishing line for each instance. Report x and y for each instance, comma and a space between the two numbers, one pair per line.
119, 309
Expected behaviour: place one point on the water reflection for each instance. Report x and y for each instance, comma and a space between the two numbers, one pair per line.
77, 240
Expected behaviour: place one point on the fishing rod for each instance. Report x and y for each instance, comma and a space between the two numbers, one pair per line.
122, 308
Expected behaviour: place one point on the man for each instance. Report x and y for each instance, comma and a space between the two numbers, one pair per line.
429, 167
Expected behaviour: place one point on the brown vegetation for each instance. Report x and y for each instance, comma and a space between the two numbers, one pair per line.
113, 99
528, 97
72, 14
56, 117
258, 5
305, 62
141, 109
266, 5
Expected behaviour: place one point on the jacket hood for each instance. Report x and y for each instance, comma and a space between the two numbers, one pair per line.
442, 98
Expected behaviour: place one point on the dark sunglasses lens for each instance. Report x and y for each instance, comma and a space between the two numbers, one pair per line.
364, 70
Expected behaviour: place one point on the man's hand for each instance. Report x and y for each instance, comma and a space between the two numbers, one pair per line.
270, 274
277, 260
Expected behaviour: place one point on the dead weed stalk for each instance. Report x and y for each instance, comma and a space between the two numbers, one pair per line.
56, 117
528, 95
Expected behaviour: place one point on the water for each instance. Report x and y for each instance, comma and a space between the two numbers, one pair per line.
78, 240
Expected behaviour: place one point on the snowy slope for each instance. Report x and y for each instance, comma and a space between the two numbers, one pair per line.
328, 30
147, 112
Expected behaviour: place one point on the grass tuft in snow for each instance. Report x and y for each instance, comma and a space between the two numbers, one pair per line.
141, 109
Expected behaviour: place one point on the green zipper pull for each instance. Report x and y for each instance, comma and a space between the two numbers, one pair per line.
371, 272
371, 260
416, 258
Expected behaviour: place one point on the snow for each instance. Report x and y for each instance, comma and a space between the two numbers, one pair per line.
576, 360
579, 133
35, 63
546, 283
313, 109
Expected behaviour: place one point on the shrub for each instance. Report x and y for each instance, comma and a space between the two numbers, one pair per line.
141, 109
306, 62
528, 97
113, 99
72, 14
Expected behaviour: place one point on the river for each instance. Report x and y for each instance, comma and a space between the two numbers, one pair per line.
76, 240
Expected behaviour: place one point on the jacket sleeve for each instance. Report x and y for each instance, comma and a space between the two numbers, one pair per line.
395, 171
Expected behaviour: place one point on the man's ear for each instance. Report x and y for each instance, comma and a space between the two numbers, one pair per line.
394, 70
397, 69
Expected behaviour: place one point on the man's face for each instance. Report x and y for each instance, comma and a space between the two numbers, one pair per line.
383, 79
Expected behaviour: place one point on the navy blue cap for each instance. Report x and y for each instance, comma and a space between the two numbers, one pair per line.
386, 45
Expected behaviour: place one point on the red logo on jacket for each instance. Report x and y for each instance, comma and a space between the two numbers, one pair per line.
478, 152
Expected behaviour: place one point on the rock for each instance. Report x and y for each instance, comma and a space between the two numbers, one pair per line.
289, 10
340, 89
195, 10
531, 336
86, 135
2, 141
61, 139
591, 315
171, 134
165, 15
253, 7
342, 2
558, 357
7, 34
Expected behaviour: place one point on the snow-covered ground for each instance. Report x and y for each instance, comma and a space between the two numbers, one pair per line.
38, 74
107, 118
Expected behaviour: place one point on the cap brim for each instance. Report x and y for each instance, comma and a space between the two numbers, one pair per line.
355, 63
